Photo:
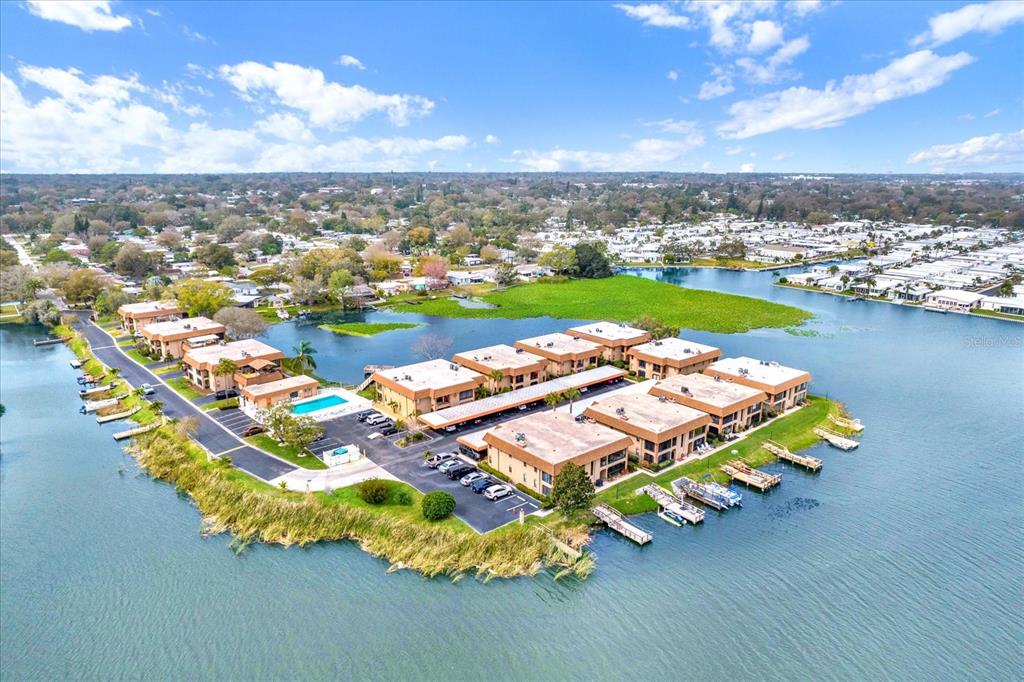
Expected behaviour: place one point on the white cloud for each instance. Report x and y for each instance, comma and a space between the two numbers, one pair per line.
672, 75
112, 124
492, 139
152, 12
763, 35
991, 151
195, 36
349, 60
773, 69
782, 156
967, 117
644, 154
802, 8
746, 168
326, 103
720, 86
733, 151
989, 17
804, 108
994, 112
88, 15
670, 125
725, 19
655, 14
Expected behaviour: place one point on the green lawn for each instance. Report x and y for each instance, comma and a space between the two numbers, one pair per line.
997, 314
731, 263
265, 442
166, 370
220, 404
366, 329
181, 385
793, 431
623, 298
138, 357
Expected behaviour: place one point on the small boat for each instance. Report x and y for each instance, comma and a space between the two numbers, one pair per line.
713, 495
75, 363
732, 497
94, 405
86, 392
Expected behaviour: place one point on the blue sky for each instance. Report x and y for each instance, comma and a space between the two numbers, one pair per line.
679, 86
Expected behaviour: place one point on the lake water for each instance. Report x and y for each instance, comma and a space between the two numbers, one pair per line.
901, 560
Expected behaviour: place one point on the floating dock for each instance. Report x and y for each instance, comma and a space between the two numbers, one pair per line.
86, 392
851, 424
673, 509
75, 363
138, 431
118, 415
47, 342
812, 463
713, 495
93, 405
755, 478
618, 523
836, 440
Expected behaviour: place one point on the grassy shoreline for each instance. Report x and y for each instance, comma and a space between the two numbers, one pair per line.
622, 298
366, 329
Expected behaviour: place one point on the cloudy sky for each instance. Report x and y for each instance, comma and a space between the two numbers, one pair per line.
802, 86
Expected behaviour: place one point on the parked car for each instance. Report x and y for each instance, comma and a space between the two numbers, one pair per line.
224, 395
482, 484
497, 492
434, 460
252, 430
364, 415
472, 477
147, 389
456, 473
444, 467
376, 420
388, 431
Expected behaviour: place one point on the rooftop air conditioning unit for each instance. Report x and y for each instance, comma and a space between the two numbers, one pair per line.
519, 350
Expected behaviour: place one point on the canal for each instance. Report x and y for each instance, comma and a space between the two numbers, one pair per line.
901, 559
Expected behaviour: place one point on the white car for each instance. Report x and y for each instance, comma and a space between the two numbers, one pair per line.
434, 460
147, 389
472, 478
497, 492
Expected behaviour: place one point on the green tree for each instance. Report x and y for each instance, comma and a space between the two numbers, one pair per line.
215, 256
572, 489
505, 274
304, 359
552, 399
83, 286
437, 505
200, 297
225, 367
374, 491
300, 431
571, 395
591, 263
561, 260
339, 284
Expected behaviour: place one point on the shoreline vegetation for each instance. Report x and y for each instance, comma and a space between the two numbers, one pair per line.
366, 329
622, 298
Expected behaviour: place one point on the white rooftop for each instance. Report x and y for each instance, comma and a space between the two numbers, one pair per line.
560, 344
501, 356
199, 324
612, 331
235, 351
556, 437
762, 371
645, 411
674, 348
147, 307
432, 374
706, 389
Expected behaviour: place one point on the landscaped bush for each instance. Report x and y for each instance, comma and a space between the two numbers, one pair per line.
437, 505
374, 491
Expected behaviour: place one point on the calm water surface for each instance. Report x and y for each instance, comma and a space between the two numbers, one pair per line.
902, 560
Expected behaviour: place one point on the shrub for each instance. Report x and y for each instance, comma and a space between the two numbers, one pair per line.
403, 498
374, 491
437, 505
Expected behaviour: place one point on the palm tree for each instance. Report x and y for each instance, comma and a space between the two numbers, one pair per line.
572, 394
157, 406
552, 399
496, 376
225, 368
304, 353
114, 372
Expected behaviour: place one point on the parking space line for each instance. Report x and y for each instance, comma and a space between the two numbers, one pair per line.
231, 450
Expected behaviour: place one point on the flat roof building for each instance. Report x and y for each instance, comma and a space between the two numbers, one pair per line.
661, 430
565, 354
135, 315
532, 450
784, 386
668, 357
731, 406
249, 355
166, 339
266, 395
423, 387
615, 337
517, 367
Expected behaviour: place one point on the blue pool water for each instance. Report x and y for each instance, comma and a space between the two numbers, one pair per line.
321, 403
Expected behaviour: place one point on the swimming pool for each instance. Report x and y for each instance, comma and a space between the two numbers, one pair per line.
321, 403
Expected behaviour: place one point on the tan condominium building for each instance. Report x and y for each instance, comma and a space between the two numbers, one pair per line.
661, 430
784, 386
532, 450
424, 387
262, 396
615, 337
668, 357
253, 360
137, 315
564, 354
505, 367
731, 406
167, 339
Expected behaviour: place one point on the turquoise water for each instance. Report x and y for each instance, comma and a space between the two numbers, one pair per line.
321, 403
901, 560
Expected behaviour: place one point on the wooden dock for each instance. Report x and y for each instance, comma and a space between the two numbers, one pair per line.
672, 504
836, 440
690, 488
619, 524
740, 471
86, 392
851, 424
812, 463
48, 342
118, 415
94, 405
138, 431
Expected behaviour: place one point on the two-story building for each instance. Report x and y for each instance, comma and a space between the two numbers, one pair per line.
255, 362
669, 357
505, 367
564, 354
168, 339
732, 407
662, 431
423, 387
616, 338
260, 396
531, 450
784, 387
134, 316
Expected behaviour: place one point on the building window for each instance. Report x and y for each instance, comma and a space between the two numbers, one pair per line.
465, 395
545, 476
